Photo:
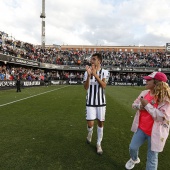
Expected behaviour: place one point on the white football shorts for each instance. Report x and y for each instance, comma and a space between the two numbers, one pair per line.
93, 113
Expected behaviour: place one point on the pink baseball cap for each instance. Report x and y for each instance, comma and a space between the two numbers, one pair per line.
156, 75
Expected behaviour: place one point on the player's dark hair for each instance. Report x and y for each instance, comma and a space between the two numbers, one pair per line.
99, 56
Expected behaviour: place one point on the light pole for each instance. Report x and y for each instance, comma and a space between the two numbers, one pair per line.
43, 25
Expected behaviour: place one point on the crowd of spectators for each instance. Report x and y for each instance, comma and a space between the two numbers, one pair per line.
11, 73
16, 48
127, 78
10, 46
8, 72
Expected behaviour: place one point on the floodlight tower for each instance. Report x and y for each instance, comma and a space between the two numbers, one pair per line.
43, 25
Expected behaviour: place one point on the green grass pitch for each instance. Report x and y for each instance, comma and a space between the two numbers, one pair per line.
44, 128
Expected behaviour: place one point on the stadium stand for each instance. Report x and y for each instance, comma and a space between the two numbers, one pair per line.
31, 62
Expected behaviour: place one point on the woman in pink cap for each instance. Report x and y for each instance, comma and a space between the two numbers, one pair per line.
152, 120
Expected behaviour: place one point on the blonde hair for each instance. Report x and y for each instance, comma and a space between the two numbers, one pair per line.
161, 91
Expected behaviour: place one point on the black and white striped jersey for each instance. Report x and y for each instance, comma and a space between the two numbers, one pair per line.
95, 94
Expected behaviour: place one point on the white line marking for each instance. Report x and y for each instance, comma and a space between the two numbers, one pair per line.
31, 96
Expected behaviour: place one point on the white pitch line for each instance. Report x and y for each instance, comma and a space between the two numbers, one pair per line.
31, 96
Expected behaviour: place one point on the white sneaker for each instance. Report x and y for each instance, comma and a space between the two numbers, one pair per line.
89, 137
130, 164
99, 149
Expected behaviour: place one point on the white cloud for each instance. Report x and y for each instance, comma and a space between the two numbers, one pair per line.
102, 22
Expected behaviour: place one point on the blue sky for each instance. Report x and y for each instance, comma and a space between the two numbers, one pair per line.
88, 22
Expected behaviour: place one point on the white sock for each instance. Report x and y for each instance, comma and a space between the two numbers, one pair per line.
90, 130
99, 135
